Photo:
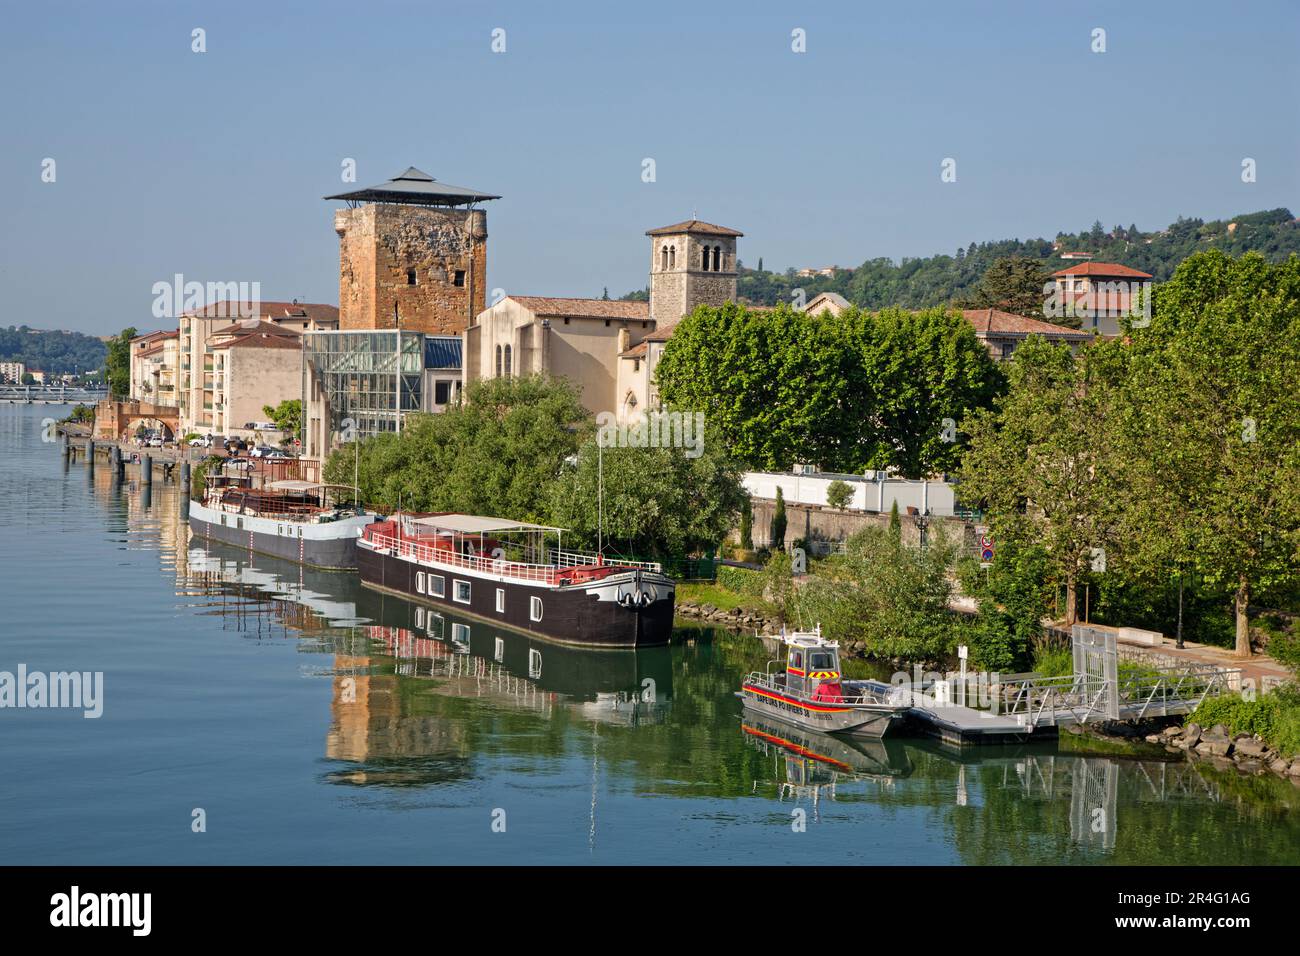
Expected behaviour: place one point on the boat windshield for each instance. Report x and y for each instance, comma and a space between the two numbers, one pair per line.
821, 661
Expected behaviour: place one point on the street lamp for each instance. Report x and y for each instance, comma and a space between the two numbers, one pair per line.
1180, 606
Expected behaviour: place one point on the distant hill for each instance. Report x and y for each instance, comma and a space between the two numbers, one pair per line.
936, 280
51, 351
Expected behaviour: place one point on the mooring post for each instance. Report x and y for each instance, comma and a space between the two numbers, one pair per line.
90, 453
146, 470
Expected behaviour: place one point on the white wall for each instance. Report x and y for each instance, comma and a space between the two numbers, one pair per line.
868, 495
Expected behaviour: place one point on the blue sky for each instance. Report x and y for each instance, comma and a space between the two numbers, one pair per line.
213, 165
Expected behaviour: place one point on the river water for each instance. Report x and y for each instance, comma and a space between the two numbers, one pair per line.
255, 712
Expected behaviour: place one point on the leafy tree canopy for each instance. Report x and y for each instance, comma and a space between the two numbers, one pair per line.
849, 392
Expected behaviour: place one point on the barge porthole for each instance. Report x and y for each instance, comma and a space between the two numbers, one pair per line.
535, 609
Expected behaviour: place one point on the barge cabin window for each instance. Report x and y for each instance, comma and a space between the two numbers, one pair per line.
535, 609
501, 601
435, 585
460, 591
419, 582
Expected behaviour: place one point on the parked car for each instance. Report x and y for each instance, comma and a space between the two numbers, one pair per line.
199, 442
235, 445
155, 442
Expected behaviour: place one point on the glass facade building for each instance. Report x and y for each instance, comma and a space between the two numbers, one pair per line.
357, 384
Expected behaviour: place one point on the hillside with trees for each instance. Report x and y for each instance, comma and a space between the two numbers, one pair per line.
938, 280
55, 351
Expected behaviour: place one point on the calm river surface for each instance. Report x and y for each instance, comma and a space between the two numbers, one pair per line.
314, 721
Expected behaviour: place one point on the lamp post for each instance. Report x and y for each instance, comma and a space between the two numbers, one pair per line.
1180, 607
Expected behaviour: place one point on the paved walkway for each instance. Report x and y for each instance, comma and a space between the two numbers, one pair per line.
1259, 667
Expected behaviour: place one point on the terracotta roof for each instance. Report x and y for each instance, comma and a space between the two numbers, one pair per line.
694, 225
261, 340
639, 350
663, 333
266, 310
159, 334
1102, 269
995, 322
151, 350
583, 308
245, 326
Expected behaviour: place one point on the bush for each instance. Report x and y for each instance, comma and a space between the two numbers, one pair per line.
839, 494
741, 580
1274, 716
1239, 715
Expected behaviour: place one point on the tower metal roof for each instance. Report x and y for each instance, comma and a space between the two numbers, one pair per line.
415, 187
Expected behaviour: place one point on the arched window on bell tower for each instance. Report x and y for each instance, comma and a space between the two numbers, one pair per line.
672, 257
664, 257
507, 366
498, 375
717, 258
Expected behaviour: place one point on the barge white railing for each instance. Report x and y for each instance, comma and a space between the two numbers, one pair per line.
424, 553
573, 559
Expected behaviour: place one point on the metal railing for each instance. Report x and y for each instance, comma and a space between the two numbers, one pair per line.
1175, 690
425, 553
574, 559
768, 681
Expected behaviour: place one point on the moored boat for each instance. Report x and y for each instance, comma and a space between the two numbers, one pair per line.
811, 692
302, 521
511, 573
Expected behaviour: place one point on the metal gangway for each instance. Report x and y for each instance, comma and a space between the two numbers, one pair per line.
1097, 692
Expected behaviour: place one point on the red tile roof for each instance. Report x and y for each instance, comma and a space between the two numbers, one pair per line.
583, 308
1105, 269
696, 226
261, 340
995, 322
245, 326
267, 310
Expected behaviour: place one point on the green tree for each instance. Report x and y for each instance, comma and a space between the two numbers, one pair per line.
747, 525
1013, 596
656, 501
777, 527
496, 453
886, 594
1213, 433
287, 415
928, 373
1012, 284
1041, 462
118, 363
839, 494
849, 392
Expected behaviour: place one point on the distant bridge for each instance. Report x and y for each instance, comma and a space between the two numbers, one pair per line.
50, 395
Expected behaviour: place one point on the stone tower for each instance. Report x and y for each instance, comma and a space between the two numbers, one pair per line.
691, 263
412, 255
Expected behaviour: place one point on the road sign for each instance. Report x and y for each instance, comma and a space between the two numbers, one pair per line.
986, 548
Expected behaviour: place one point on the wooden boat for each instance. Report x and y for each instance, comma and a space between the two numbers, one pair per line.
812, 693
510, 573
